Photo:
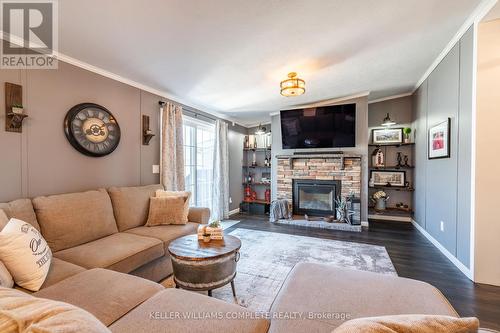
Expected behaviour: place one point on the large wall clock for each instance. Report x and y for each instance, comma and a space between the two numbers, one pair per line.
92, 129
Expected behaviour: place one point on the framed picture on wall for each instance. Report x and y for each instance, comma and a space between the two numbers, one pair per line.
388, 178
387, 136
439, 140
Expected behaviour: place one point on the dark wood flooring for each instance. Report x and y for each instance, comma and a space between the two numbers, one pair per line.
413, 257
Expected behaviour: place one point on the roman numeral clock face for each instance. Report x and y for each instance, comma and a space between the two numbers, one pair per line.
92, 129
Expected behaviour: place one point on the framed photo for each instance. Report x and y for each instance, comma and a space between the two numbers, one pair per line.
387, 136
388, 178
439, 140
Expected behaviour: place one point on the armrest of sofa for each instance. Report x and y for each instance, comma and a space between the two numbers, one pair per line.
199, 215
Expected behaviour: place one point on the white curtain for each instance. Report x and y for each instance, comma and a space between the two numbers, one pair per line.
172, 148
220, 192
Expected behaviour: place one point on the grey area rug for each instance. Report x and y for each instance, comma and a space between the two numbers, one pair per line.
267, 258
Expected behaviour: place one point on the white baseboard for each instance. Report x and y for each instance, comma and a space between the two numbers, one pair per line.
234, 211
365, 224
467, 272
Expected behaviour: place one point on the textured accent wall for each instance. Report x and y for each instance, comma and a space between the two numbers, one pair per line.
321, 169
443, 186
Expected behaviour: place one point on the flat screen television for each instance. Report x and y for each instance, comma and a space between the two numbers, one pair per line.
321, 127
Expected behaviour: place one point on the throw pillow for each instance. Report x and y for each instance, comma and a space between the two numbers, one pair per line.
20, 312
5, 277
183, 194
167, 210
410, 324
25, 254
3, 219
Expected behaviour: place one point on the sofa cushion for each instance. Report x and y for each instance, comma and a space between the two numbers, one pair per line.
166, 233
60, 270
21, 209
68, 220
106, 294
131, 204
352, 294
410, 324
122, 252
20, 312
152, 315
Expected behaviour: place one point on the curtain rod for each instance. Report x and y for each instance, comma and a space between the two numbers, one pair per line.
191, 110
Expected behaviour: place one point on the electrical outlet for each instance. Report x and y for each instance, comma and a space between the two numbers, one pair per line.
442, 226
156, 169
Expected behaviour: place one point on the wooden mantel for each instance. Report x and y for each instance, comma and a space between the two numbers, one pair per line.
340, 156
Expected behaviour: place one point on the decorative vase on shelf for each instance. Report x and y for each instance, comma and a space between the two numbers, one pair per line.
407, 134
381, 204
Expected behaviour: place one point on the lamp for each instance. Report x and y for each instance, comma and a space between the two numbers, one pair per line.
261, 130
293, 86
388, 122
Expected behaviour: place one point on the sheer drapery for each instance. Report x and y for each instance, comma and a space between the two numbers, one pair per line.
220, 193
172, 148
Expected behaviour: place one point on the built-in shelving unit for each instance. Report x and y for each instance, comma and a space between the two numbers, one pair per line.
390, 153
259, 204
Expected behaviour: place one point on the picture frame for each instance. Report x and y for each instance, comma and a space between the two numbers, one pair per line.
388, 178
387, 136
439, 140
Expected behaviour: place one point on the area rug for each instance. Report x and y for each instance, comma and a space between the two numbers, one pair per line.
267, 258
228, 223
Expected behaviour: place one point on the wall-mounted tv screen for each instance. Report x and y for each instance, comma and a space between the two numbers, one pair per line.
321, 127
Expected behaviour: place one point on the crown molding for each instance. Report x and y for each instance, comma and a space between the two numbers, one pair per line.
479, 12
110, 75
390, 97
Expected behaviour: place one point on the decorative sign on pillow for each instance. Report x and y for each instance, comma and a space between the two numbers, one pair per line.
25, 254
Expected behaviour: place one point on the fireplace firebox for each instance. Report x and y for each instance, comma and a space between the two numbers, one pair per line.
315, 197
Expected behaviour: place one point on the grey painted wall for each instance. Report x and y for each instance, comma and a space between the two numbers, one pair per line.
400, 110
236, 135
40, 161
443, 185
361, 149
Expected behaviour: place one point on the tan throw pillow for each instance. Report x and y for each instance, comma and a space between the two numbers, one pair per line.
184, 194
3, 219
168, 210
20, 312
5, 277
25, 253
410, 324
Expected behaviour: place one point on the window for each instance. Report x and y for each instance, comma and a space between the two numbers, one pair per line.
198, 159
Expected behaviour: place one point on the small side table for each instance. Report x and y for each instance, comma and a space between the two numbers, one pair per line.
204, 266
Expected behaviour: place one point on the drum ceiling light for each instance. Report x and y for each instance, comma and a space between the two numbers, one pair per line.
293, 86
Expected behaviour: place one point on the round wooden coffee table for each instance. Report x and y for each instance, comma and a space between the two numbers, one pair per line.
204, 266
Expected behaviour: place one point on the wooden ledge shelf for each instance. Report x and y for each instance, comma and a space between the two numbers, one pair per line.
340, 156
392, 144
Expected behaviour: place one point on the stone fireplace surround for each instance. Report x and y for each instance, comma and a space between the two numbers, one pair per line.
345, 168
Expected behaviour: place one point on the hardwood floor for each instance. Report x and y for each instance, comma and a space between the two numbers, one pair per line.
413, 257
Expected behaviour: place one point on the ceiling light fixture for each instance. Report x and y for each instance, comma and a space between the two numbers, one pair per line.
261, 130
293, 86
388, 122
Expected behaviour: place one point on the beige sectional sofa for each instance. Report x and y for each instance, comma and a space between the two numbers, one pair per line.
107, 262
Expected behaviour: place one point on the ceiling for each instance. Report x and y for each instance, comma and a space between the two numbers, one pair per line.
228, 56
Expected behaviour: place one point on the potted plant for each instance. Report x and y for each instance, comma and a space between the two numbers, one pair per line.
380, 198
17, 109
407, 132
